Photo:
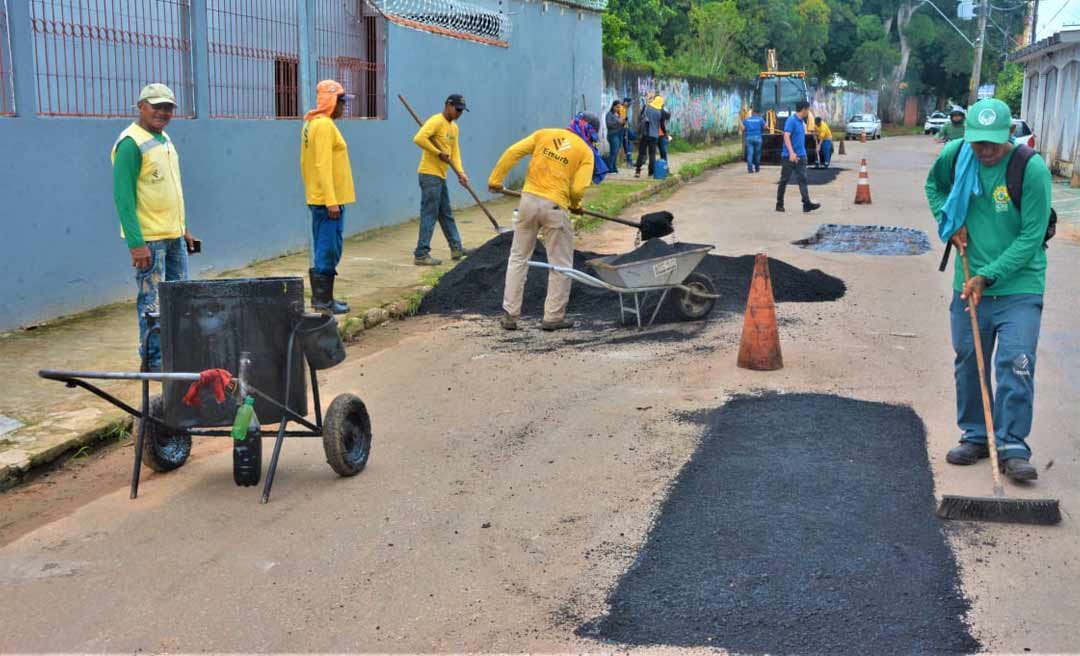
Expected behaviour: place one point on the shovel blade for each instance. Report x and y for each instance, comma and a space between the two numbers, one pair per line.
656, 224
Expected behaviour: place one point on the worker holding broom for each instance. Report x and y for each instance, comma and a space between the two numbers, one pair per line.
992, 200
564, 162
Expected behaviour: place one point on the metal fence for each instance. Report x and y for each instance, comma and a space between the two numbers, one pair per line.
92, 57
254, 58
350, 47
7, 93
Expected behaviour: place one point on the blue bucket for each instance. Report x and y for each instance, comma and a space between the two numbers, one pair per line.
660, 169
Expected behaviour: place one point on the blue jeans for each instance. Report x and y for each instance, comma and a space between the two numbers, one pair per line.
826, 152
435, 206
327, 240
628, 144
753, 154
168, 262
614, 141
1012, 322
661, 145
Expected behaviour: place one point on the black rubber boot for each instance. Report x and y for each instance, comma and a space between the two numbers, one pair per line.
968, 453
322, 294
1019, 469
336, 306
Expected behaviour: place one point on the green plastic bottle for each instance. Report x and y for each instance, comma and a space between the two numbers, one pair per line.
243, 419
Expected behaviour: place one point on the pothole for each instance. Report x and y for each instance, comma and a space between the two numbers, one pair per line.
866, 239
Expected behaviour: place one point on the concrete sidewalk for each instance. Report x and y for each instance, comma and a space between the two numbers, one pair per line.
41, 420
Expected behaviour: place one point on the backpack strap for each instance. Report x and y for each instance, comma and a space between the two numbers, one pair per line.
1014, 172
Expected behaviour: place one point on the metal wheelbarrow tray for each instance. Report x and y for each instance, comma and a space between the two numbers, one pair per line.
257, 330
651, 278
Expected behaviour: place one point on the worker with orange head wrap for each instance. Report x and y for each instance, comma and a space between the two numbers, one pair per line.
328, 187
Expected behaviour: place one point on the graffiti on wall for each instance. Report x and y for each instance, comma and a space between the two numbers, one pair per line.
837, 105
699, 112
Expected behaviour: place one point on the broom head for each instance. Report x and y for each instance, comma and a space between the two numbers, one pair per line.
1000, 509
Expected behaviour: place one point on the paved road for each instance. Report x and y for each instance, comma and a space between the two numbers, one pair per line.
514, 478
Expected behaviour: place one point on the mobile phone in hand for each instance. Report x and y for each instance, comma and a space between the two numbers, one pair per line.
195, 247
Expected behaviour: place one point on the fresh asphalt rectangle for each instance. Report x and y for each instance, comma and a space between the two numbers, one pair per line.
803, 523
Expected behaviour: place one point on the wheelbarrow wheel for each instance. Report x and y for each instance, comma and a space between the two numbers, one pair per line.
690, 307
347, 435
163, 451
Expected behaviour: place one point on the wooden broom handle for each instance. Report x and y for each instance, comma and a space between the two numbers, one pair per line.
613, 219
988, 415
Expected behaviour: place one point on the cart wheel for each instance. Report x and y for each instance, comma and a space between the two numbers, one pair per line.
163, 451
690, 307
347, 435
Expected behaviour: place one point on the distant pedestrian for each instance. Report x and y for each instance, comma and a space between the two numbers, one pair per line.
441, 129
753, 125
665, 138
328, 187
1003, 237
150, 203
628, 134
954, 129
649, 134
614, 122
564, 163
793, 157
824, 138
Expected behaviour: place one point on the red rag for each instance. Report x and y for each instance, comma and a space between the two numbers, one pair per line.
216, 379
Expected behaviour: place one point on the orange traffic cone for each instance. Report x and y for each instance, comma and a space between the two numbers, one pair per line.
862, 192
841, 151
862, 138
760, 346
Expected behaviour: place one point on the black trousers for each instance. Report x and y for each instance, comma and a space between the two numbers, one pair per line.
787, 168
647, 143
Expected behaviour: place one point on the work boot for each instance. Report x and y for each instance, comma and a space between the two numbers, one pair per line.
456, 255
561, 324
322, 294
508, 322
968, 453
427, 260
1019, 469
810, 207
779, 207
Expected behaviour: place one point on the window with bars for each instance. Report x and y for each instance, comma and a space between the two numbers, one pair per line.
7, 93
250, 45
350, 47
92, 57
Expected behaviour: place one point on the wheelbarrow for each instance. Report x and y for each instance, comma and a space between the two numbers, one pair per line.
256, 329
640, 283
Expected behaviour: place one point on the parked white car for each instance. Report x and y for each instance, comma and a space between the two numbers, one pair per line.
1023, 133
934, 122
859, 124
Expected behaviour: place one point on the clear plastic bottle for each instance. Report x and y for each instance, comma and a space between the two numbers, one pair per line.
243, 419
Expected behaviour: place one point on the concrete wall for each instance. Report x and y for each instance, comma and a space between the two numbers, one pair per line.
1050, 101
62, 252
836, 106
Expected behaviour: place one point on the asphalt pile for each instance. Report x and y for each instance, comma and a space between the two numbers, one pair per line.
802, 524
476, 285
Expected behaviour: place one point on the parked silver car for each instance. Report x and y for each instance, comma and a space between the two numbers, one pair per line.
859, 124
934, 122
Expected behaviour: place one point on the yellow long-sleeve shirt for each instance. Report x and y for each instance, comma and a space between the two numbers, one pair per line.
823, 132
561, 168
324, 164
445, 135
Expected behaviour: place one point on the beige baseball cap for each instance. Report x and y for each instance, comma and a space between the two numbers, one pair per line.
156, 94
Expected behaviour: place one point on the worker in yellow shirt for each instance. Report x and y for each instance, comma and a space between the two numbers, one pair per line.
439, 141
564, 162
328, 187
823, 135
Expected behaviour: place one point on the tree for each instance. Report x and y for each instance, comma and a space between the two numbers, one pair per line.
710, 46
1010, 86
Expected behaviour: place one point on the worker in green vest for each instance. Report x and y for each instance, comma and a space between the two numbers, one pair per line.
954, 129
150, 203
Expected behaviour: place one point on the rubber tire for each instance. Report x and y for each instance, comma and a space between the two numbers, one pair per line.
162, 452
347, 435
692, 308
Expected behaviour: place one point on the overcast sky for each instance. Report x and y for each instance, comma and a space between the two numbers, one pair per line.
1055, 14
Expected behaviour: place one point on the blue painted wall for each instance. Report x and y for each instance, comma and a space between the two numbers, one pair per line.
61, 251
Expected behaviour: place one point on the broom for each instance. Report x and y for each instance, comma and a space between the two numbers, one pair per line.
997, 508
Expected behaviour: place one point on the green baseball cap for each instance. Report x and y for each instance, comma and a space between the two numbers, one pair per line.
988, 120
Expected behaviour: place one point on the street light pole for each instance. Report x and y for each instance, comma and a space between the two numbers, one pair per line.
976, 67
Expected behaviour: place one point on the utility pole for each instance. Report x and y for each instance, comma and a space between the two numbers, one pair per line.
1034, 22
976, 67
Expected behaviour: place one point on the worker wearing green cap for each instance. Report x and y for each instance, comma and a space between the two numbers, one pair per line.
1003, 238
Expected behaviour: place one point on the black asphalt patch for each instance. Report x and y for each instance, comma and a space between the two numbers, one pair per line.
803, 523
822, 176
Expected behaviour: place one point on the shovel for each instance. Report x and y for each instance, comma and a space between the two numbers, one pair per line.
476, 198
653, 225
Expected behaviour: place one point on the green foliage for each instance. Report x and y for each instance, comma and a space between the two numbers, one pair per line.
1010, 86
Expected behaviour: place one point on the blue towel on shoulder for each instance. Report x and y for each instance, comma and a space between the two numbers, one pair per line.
965, 185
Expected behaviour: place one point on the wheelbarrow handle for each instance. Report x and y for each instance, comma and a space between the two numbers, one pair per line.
613, 219
62, 375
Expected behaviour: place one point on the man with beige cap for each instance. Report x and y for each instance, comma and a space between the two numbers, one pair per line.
150, 203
